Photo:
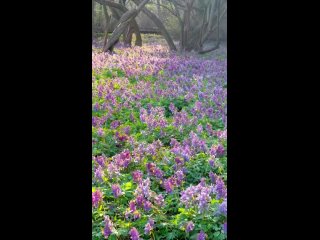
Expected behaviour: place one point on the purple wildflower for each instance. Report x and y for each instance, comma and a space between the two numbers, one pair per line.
210, 112
126, 130
209, 129
204, 198
132, 206
151, 222
211, 161
179, 161
172, 108
220, 188
123, 159
99, 174
223, 208
159, 200
222, 134
100, 132
113, 170
197, 196
168, 185
115, 124
147, 206
147, 229
136, 215
151, 168
174, 142
190, 226
213, 177
220, 150
158, 173
179, 176
121, 137
139, 200
108, 227
217, 150
180, 119
116, 190
134, 234
198, 106
96, 107
224, 226
202, 182
100, 160
149, 226
96, 197
144, 187
199, 128
201, 236
137, 176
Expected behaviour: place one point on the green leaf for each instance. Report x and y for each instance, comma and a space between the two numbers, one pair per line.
128, 186
181, 210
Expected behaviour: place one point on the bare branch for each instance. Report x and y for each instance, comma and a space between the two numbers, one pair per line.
161, 5
113, 6
159, 24
124, 22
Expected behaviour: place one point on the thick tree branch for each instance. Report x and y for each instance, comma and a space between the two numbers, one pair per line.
113, 6
124, 22
159, 24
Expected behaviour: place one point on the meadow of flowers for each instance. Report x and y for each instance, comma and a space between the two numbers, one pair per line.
159, 142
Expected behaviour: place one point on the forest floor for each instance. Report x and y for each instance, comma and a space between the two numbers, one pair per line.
153, 39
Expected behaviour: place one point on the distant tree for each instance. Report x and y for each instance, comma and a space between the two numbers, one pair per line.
197, 21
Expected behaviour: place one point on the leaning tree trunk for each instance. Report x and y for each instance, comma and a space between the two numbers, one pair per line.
125, 33
159, 24
124, 22
132, 28
107, 27
116, 6
134, 24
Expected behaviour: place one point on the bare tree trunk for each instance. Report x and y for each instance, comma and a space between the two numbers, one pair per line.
186, 24
159, 24
125, 33
213, 27
137, 34
218, 33
101, 16
116, 6
93, 5
128, 35
186, 27
177, 13
205, 26
124, 22
159, 10
107, 26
